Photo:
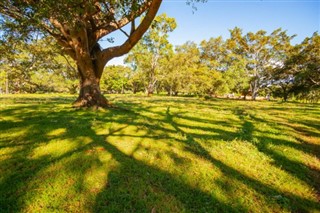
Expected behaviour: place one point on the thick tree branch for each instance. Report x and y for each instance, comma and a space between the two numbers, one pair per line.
60, 27
104, 30
117, 51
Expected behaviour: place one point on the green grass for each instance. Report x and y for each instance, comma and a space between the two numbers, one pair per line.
163, 154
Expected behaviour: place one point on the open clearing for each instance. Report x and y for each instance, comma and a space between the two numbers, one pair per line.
163, 154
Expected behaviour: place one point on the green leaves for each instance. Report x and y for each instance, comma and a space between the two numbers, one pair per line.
152, 50
37, 67
115, 79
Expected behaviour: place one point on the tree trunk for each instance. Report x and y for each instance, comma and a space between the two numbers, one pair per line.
149, 91
7, 83
245, 97
254, 89
150, 88
122, 89
90, 93
285, 95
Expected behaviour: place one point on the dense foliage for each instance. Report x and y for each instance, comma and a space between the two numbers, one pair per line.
37, 66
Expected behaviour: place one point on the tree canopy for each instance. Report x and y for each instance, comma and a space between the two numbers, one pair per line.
77, 27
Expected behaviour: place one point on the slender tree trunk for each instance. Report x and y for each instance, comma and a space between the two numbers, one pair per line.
7, 83
151, 87
122, 89
245, 96
150, 90
135, 90
254, 89
285, 94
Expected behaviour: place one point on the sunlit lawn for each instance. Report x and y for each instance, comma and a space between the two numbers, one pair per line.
161, 154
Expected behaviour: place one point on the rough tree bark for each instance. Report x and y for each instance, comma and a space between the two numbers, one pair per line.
91, 64
254, 86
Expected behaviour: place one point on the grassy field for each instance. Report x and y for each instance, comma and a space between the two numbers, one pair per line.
162, 154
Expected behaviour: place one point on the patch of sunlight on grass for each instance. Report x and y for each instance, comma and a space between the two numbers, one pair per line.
70, 184
57, 132
58, 147
14, 134
12, 119
254, 164
310, 139
295, 155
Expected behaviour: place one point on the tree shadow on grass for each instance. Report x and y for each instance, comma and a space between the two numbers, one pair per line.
138, 187
193, 200
246, 132
24, 135
133, 185
297, 169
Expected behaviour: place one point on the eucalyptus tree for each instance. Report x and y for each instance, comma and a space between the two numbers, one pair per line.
193, 74
263, 53
174, 70
181, 69
300, 73
152, 49
307, 63
213, 53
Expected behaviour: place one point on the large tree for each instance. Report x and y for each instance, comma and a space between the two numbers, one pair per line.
78, 26
263, 52
300, 71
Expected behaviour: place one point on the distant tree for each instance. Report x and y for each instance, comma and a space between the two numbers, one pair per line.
151, 50
5, 59
176, 68
213, 53
136, 81
306, 64
115, 79
263, 53
281, 77
236, 76
189, 74
218, 55
180, 67
38, 66
299, 70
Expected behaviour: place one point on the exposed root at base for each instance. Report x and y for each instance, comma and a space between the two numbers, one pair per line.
84, 104
102, 102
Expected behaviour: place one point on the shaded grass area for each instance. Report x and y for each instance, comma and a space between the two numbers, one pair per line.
162, 154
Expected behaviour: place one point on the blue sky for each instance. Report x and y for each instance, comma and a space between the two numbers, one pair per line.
215, 17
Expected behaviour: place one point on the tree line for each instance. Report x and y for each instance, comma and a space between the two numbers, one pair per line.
245, 64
